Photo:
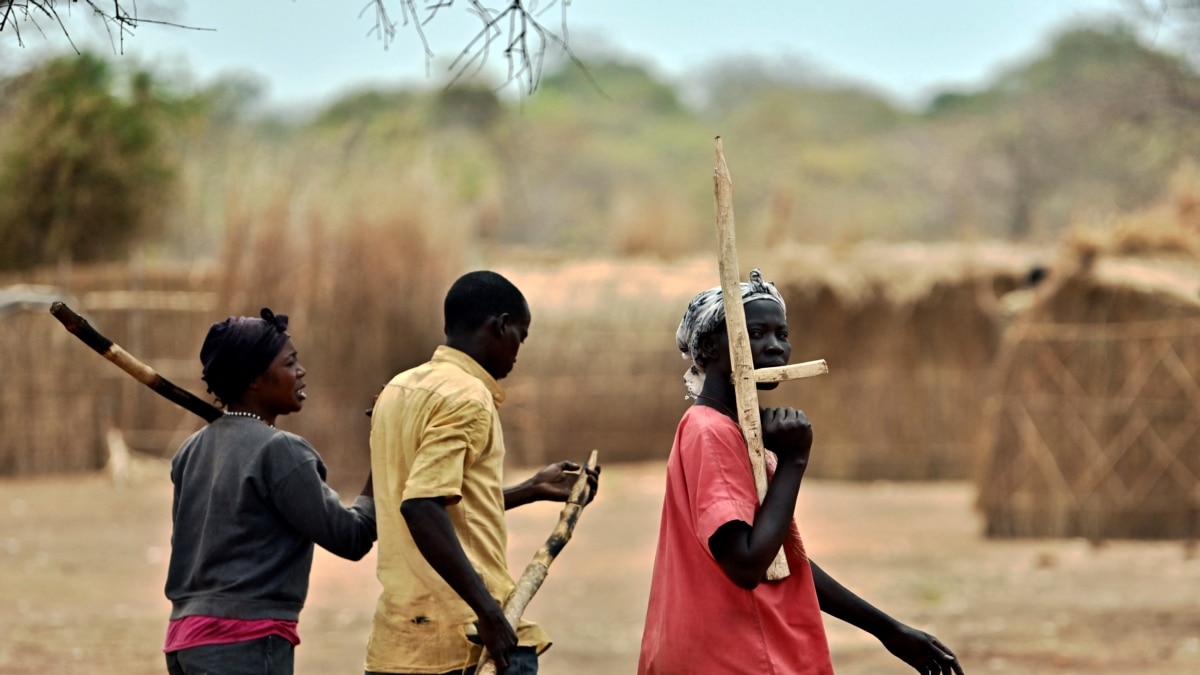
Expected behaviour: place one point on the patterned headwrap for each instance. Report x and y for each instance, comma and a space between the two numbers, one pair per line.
705, 314
239, 349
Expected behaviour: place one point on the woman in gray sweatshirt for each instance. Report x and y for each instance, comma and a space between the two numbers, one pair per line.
250, 502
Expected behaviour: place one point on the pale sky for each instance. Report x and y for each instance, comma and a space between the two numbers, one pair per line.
307, 51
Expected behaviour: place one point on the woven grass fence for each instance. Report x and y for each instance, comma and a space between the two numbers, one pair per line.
59, 399
1094, 425
45, 426
908, 345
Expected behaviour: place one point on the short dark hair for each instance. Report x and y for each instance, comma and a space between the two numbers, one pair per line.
477, 296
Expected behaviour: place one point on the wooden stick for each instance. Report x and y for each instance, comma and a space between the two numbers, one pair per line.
744, 383
141, 372
536, 571
794, 371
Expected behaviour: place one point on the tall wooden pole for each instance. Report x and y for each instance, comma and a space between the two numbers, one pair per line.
745, 377
739, 340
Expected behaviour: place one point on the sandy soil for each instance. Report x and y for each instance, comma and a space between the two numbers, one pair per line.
82, 564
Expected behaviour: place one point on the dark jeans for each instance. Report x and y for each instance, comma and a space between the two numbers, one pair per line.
524, 661
271, 655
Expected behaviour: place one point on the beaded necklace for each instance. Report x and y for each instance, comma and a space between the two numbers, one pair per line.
239, 413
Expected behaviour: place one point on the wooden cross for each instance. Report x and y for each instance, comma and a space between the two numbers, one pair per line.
745, 377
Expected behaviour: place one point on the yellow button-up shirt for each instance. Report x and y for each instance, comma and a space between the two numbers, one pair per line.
435, 432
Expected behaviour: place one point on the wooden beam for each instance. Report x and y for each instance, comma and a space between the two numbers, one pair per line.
793, 371
745, 385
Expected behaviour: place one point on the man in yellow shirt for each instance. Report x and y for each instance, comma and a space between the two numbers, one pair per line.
437, 456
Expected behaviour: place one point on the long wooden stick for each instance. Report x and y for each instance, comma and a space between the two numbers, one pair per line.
141, 372
744, 383
536, 571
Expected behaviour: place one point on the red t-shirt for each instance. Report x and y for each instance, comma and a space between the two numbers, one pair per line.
698, 621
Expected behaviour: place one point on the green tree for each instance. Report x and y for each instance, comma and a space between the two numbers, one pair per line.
1096, 124
85, 175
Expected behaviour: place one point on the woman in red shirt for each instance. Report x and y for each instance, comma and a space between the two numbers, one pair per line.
710, 610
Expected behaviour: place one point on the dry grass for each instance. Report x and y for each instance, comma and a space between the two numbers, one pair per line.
1170, 227
362, 281
360, 278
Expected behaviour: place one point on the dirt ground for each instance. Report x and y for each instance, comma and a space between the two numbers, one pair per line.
82, 564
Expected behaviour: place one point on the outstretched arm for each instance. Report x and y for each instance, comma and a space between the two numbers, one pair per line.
922, 651
310, 506
433, 532
553, 484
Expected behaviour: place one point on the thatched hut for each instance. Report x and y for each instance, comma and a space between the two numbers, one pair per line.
908, 331
1092, 427
600, 369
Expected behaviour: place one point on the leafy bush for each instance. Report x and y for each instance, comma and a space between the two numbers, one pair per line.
84, 174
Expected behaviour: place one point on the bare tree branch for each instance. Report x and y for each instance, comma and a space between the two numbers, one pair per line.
511, 27
119, 18
1182, 14
385, 28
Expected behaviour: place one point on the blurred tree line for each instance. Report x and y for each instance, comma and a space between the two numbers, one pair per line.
97, 155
